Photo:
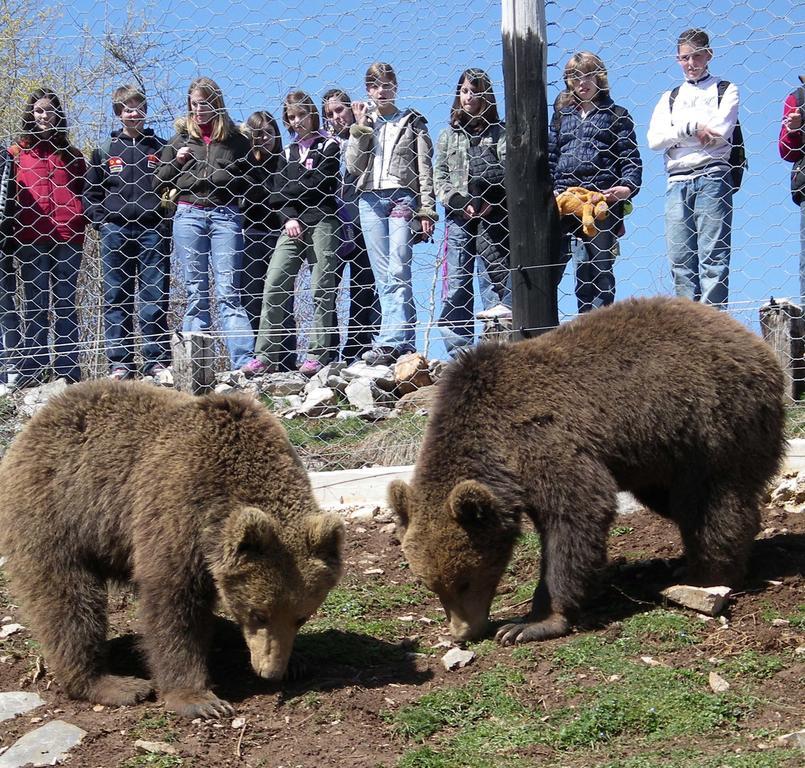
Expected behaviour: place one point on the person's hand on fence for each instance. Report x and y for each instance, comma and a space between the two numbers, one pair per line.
427, 227
793, 120
361, 111
293, 228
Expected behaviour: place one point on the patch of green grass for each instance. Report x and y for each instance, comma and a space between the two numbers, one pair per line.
752, 664
647, 702
621, 530
797, 619
153, 761
666, 630
155, 726
313, 432
795, 421
686, 758
489, 694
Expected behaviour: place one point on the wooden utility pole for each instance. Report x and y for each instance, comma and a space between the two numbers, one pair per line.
533, 218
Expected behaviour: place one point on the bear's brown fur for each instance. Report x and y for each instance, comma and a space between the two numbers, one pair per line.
673, 401
190, 499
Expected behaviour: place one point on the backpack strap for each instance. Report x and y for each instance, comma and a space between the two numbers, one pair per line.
672, 98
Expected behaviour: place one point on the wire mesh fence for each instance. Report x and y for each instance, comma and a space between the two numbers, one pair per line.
263, 182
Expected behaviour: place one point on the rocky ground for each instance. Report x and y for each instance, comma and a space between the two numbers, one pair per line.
378, 692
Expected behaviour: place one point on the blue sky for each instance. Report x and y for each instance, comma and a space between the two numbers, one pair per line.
259, 50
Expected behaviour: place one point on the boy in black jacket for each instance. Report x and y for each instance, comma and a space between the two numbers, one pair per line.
122, 205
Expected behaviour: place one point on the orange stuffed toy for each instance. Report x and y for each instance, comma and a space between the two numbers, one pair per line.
585, 205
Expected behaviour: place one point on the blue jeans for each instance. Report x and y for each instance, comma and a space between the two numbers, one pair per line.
593, 262
9, 318
698, 232
468, 249
385, 221
207, 238
132, 254
45, 268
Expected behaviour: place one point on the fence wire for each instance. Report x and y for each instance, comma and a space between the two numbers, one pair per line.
262, 181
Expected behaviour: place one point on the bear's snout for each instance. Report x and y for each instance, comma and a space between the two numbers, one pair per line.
270, 651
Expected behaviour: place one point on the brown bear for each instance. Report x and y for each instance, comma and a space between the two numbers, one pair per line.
190, 499
671, 400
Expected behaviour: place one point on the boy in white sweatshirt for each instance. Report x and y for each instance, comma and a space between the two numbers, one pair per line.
693, 125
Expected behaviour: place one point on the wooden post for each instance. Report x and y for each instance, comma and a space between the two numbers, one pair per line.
193, 362
533, 218
783, 327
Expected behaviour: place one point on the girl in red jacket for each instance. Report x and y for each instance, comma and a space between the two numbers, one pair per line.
49, 232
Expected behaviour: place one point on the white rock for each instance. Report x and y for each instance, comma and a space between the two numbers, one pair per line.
3, 561
155, 747
165, 377
47, 745
373, 572
9, 629
282, 384
717, 683
780, 623
708, 600
223, 389
13, 703
365, 513
650, 661
363, 371
378, 413
795, 739
457, 658
6, 619
407, 618
238, 723
319, 402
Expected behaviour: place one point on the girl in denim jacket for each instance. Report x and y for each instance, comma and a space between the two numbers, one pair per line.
469, 181
592, 144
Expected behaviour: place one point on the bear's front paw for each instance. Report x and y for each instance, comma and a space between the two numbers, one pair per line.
117, 691
525, 631
192, 703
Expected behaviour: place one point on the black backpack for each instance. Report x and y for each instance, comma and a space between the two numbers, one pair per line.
798, 171
737, 159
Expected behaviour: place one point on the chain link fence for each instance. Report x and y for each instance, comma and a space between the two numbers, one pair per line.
180, 231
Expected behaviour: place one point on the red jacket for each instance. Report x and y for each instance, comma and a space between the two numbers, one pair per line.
791, 144
49, 186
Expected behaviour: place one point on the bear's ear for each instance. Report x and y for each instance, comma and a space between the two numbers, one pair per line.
472, 504
325, 538
249, 530
399, 495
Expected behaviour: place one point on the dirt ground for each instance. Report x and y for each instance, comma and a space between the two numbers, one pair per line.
341, 713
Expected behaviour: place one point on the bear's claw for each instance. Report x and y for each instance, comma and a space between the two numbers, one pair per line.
524, 631
197, 704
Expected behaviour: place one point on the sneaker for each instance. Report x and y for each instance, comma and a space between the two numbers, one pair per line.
310, 367
255, 367
498, 312
380, 356
120, 374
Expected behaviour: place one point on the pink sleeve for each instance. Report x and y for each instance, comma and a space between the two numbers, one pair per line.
790, 143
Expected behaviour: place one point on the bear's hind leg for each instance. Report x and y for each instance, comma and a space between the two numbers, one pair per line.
573, 534
717, 535
68, 616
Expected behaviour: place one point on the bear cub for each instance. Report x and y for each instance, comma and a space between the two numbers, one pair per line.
194, 500
671, 400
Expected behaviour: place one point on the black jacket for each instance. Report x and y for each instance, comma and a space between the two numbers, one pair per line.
254, 183
209, 177
307, 190
119, 185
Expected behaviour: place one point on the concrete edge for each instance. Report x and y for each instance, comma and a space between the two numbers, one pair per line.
359, 487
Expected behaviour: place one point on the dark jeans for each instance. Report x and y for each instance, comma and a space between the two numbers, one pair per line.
9, 318
364, 307
135, 263
49, 268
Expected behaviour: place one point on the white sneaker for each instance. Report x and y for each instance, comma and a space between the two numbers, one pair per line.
498, 312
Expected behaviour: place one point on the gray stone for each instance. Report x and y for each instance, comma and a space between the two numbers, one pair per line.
717, 683
320, 402
15, 703
36, 398
282, 384
47, 745
364, 395
378, 413
795, 739
155, 747
363, 371
457, 658
707, 600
